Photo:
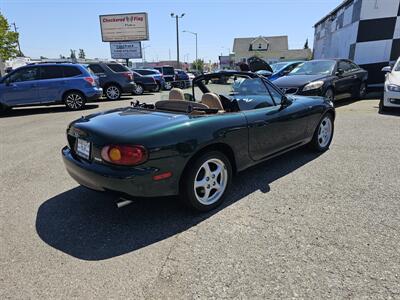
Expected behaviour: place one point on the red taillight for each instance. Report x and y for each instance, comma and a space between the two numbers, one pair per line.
90, 80
128, 75
124, 154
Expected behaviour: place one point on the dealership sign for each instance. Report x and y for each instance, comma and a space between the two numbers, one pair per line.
124, 27
125, 50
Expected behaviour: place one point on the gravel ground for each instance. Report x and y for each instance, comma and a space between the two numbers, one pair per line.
302, 225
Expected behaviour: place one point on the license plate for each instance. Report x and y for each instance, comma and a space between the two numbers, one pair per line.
83, 148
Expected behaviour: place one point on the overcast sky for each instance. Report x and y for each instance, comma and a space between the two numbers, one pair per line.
52, 27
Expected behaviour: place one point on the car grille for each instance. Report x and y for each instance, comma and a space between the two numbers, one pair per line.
289, 90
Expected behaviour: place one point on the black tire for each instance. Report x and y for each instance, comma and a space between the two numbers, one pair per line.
4, 109
195, 171
329, 94
112, 92
138, 90
157, 89
320, 142
382, 107
74, 100
362, 91
181, 84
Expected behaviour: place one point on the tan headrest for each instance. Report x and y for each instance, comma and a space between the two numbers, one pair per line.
212, 101
176, 94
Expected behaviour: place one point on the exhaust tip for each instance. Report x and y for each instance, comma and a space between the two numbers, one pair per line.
123, 202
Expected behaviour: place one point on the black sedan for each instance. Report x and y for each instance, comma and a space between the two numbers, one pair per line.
193, 148
143, 83
334, 79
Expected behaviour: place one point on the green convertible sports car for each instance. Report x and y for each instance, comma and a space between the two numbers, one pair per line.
192, 144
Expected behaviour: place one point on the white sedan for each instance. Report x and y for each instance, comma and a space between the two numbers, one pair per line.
391, 93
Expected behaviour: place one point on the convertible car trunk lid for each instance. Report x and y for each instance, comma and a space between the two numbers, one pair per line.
121, 124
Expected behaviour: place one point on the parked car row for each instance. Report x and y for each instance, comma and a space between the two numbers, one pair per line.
75, 84
333, 79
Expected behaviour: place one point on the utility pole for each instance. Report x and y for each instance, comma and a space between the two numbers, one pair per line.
177, 35
16, 30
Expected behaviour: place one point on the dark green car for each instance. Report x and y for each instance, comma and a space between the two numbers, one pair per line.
192, 144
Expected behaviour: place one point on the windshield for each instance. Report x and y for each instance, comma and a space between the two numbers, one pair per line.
168, 71
277, 66
397, 66
248, 93
316, 67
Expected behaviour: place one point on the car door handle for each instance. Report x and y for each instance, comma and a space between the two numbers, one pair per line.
259, 123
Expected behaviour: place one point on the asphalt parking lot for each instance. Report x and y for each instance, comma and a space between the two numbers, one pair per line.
302, 225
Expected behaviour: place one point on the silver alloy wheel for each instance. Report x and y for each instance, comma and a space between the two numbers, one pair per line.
167, 85
74, 101
363, 90
324, 132
329, 95
112, 92
138, 89
210, 181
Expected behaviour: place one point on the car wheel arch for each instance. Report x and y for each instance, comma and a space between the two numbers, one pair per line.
112, 83
220, 147
71, 91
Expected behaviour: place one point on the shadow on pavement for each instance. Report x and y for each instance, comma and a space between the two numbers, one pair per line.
88, 226
370, 96
36, 110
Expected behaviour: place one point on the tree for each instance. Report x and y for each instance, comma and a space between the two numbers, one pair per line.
62, 56
306, 44
8, 40
82, 54
72, 56
198, 64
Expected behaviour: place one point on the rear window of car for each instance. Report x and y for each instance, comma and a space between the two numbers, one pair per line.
70, 71
96, 69
51, 72
145, 72
168, 71
117, 68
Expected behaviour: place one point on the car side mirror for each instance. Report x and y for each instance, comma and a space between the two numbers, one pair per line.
285, 102
387, 69
339, 71
188, 97
285, 72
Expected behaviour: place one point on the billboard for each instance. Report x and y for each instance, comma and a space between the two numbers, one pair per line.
126, 50
124, 27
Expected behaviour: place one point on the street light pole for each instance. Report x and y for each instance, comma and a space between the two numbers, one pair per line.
195, 34
177, 35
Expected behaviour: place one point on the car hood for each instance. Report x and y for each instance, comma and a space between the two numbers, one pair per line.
296, 80
125, 123
257, 64
394, 78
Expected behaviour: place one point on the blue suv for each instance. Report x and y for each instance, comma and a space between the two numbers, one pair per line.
48, 83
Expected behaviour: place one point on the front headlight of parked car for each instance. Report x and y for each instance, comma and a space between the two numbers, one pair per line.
393, 88
313, 85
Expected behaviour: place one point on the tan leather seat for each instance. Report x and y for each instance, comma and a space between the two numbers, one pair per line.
176, 94
212, 101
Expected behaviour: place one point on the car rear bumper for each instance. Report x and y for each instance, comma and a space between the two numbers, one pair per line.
136, 182
129, 87
94, 94
391, 99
